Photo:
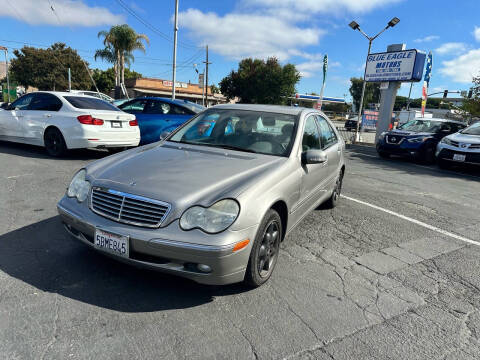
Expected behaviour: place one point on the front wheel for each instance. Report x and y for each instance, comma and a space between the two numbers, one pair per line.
333, 200
384, 155
55, 143
266, 247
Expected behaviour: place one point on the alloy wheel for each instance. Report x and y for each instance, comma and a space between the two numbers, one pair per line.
268, 252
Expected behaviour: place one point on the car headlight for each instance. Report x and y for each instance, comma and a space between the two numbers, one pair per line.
79, 187
446, 141
382, 135
213, 219
418, 139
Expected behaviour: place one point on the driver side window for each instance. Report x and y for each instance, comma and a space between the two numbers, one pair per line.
311, 135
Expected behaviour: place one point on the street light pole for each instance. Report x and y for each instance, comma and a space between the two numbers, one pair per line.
175, 31
354, 25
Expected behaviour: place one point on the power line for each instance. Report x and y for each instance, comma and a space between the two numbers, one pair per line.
54, 11
153, 28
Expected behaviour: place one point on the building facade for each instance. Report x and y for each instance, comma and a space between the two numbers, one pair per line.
163, 88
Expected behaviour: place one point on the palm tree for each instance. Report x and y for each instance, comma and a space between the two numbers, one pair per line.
120, 43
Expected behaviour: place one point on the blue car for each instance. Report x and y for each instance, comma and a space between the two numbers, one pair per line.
156, 115
416, 139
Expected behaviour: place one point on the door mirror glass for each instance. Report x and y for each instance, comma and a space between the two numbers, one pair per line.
314, 157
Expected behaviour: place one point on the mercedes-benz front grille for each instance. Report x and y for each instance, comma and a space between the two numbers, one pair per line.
128, 208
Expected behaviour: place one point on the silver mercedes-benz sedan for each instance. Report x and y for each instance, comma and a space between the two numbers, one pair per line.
213, 200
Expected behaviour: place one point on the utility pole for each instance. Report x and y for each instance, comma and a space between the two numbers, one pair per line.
175, 32
206, 78
69, 80
6, 71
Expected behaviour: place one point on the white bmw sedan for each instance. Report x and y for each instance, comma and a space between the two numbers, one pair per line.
60, 121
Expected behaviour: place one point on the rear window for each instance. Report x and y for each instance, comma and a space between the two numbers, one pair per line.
87, 103
193, 107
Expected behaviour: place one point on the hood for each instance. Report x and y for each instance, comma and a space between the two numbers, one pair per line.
400, 132
182, 175
464, 138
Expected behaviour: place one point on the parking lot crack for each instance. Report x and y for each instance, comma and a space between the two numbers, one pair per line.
54, 335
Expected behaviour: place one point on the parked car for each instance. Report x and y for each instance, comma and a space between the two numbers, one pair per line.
351, 125
119, 102
157, 115
417, 139
460, 148
210, 208
94, 94
60, 121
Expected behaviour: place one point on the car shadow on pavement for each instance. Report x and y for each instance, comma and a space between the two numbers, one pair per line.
44, 256
38, 152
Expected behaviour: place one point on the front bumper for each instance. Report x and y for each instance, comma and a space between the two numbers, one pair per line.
160, 249
446, 153
405, 148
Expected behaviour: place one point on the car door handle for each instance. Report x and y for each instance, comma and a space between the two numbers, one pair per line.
48, 115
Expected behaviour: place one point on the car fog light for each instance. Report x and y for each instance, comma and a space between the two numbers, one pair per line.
204, 268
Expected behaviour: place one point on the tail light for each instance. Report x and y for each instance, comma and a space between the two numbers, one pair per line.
89, 120
133, 122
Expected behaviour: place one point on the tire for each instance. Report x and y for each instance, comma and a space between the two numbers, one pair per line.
383, 155
55, 143
264, 254
333, 200
428, 155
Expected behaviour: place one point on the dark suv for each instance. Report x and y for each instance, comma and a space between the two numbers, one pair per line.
417, 138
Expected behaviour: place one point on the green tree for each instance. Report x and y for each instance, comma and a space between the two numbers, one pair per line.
214, 89
372, 92
105, 79
47, 69
261, 82
120, 43
400, 103
471, 107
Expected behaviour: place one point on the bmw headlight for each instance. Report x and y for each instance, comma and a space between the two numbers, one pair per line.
447, 141
79, 187
418, 139
213, 219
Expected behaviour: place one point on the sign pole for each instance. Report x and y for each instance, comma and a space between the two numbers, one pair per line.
175, 32
387, 99
426, 81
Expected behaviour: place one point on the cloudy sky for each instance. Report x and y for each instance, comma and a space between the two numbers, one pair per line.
295, 31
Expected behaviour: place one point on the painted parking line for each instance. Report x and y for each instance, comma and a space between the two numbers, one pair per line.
17, 176
363, 154
415, 221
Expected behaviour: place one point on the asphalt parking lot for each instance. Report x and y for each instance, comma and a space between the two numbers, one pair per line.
392, 273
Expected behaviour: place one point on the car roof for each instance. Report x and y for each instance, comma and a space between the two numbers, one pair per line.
61, 93
167, 100
441, 120
279, 109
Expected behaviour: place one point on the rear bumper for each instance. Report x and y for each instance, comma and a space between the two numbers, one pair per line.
101, 143
150, 248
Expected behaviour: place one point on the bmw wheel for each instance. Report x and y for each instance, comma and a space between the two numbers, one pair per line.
54, 142
266, 247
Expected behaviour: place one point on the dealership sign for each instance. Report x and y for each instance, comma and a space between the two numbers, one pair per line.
406, 65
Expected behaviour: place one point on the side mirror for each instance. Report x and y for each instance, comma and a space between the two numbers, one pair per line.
164, 135
314, 157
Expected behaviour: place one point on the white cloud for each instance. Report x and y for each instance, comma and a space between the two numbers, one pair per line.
295, 7
463, 68
241, 35
69, 12
427, 39
476, 33
451, 47
310, 69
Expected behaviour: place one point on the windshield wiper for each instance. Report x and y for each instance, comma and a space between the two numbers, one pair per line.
231, 147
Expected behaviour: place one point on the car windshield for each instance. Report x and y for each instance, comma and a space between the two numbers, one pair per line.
422, 126
472, 130
90, 103
193, 107
242, 130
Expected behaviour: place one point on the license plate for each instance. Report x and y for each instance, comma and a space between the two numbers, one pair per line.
116, 124
112, 243
458, 157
